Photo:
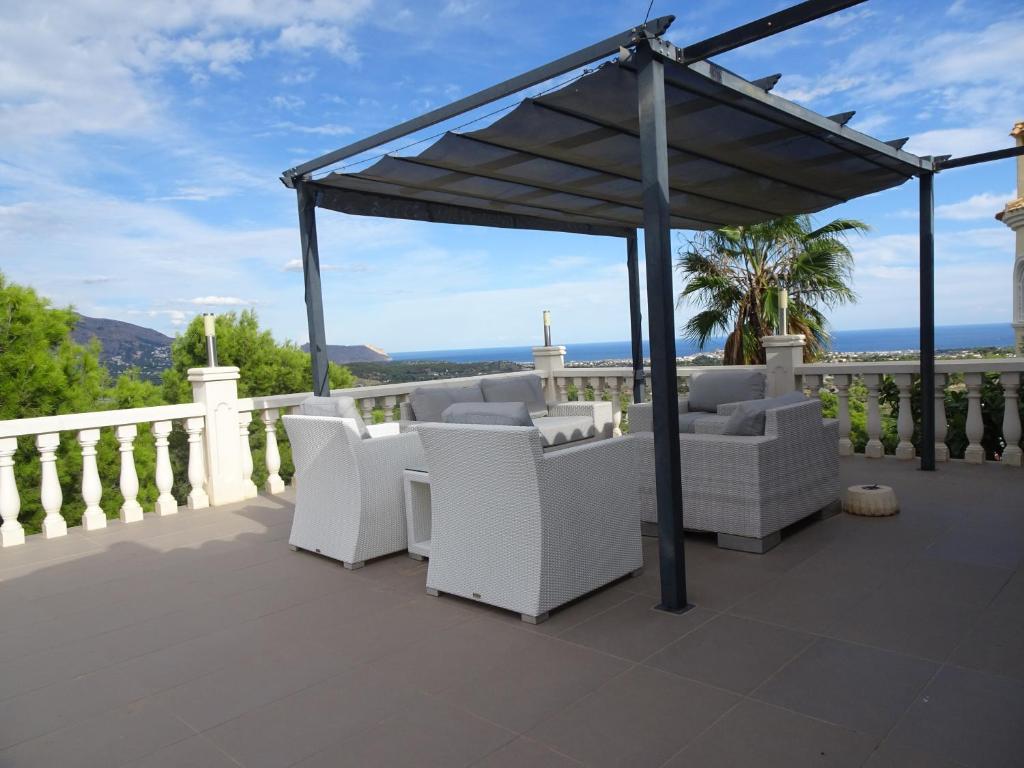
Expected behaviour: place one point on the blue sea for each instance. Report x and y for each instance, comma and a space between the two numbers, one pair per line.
947, 337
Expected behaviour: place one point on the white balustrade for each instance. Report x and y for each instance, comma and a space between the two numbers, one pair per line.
274, 482
975, 427
1012, 455
11, 532
131, 510
613, 385
164, 475
389, 407
50, 494
580, 389
905, 417
249, 490
197, 496
842, 384
92, 489
941, 425
366, 405
874, 448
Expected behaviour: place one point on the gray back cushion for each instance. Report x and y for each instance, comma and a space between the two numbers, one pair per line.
428, 403
710, 389
516, 389
338, 407
748, 418
500, 414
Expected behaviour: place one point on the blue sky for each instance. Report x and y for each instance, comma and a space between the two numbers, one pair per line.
142, 143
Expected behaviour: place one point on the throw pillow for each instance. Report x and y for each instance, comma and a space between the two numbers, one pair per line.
710, 389
337, 407
748, 418
498, 414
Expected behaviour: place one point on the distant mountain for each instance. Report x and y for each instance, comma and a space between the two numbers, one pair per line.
126, 345
355, 353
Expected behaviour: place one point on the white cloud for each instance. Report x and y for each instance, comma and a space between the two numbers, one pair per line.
295, 265
290, 103
982, 206
957, 141
220, 301
324, 129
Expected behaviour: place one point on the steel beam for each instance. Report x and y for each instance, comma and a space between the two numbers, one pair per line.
984, 157
582, 57
926, 208
636, 321
314, 296
661, 322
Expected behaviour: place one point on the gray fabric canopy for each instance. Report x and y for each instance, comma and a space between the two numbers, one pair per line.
569, 160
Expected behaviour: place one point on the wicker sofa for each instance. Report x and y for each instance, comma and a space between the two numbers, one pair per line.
747, 488
560, 424
526, 530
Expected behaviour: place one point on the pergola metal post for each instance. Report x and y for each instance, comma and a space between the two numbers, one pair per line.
314, 296
635, 318
926, 204
661, 322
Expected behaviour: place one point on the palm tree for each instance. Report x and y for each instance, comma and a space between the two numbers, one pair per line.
735, 273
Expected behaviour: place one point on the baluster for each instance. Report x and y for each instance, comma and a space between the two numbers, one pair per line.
975, 428
366, 405
613, 384
580, 389
11, 532
50, 494
874, 449
597, 384
249, 490
905, 417
811, 384
197, 497
131, 510
1012, 455
941, 449
563, 389
274, 482
842, 382
92, 490
389, 408
165, 503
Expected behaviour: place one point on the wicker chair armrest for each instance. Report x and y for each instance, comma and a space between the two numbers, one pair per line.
384, 430
598, 410
799, 418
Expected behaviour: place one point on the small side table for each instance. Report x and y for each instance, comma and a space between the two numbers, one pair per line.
417, 512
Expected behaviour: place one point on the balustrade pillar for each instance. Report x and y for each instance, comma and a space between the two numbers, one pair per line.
1012, 455
92, 490
547, 360
366, 406
50, 495
874, 448
216, 389
941, 426
131, 510
249, 489
197, 497
811, 384
563, 389
905, 417
842, 382
975, 428
11, 532
581, 389
613, 385
164, 475
274, 482
389, 408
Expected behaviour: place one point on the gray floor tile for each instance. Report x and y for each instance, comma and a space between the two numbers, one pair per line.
967, 716
526, 752
634, 629
996, 644
732, 652
757, 734
194, 752
859, 688
948, 581
429, 733
640, 718
888, 755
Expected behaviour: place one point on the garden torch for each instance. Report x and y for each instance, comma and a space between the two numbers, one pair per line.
210, 328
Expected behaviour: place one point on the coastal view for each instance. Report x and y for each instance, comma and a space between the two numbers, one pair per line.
480, 383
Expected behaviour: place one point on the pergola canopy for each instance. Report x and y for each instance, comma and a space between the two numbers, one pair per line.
569, 160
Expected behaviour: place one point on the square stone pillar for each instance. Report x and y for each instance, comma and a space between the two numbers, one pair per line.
545, 361
217, 389
782, 355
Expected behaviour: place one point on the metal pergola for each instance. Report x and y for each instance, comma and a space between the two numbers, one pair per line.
658, 138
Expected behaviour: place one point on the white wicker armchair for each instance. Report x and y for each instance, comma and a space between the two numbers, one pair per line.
747, 489
525, 530
349, 498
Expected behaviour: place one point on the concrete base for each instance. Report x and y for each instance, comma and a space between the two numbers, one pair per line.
905, 451
974, 454
166, 506
131, 512
249, 489
534, 619
749, 544
94, 519
11, 536
197, 499
54, 526
354, 566
1012, 456
874, 449
274, 485
941, 452
433, 592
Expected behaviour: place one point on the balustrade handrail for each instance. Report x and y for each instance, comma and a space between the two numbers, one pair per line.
981, 365
627, 371
72, 422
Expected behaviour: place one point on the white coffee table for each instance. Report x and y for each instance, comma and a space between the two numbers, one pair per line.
417, 512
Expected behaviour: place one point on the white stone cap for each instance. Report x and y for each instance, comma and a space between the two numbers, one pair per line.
787, 340
1013, 215
554, 351
216, 373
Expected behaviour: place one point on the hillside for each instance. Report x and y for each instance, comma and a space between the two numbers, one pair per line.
355, 353
126, 345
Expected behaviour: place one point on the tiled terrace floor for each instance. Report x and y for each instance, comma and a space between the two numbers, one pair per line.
201, 640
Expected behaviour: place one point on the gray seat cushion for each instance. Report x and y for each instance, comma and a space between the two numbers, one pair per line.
516, 389
710, 389
688, 421
428, 403
558, 430
338, 407
748, 418
502, 414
